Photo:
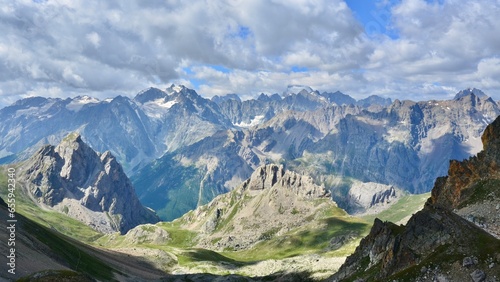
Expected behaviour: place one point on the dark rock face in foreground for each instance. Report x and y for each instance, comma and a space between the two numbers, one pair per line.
454, 238
88, 186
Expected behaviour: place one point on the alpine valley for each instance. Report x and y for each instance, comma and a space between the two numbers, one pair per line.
297, 186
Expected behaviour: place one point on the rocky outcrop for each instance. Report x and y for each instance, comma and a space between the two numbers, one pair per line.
88, 186
431, 235
274, 176
147, 234
271, 202
459, 222
370, 197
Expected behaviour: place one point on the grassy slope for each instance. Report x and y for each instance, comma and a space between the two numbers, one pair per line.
312, 238
32, 221
77, 258
402, 209
304, 240
315, 239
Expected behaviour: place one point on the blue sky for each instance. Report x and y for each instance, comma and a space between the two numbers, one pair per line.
375, 16
405, 49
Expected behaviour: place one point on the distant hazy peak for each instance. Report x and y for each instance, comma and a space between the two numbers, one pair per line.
478, 93
32, 102
219, 99
339, 98
374, 100
296, 89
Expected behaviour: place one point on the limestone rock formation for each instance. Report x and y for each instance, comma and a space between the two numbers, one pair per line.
271, 202
274, 176
88, 186
371, 197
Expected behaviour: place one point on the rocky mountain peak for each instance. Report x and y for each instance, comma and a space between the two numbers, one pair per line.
339, 98
79, 159
31, 102
187, 96
374, 100
228, 97
91, 187
176, 89
470, 91
149, 94
270, 176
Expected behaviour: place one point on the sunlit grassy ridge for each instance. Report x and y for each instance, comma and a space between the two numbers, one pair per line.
305, 240
401, 210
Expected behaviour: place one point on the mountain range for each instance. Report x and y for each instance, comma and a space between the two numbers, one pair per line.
406, 145
277, 225
182, 150
280, 222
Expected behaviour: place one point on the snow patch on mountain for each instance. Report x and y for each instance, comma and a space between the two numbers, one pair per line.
255, 121
163, 104
156, 108
77, 103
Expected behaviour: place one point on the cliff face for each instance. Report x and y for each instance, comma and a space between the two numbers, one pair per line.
457, 188
273, 176
88, 186
454, 238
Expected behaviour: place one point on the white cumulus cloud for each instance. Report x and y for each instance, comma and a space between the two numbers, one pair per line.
106, 48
